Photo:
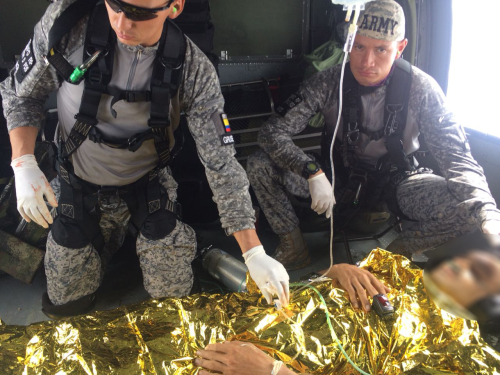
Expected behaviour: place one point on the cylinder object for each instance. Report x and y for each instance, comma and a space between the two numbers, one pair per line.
226, 269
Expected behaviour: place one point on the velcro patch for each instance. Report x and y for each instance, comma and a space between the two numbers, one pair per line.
25, 62
221, 123
227, 140
290, 103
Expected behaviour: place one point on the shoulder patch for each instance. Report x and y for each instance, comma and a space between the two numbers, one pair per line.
221, 123
25, 62
290, 103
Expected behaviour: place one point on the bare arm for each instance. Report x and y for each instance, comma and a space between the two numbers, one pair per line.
23, 140
247, 239
236, 358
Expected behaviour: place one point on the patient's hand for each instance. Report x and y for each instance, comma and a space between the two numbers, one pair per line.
359, 283
236, 358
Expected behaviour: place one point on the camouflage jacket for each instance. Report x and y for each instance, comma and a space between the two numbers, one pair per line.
199, 98
428, 113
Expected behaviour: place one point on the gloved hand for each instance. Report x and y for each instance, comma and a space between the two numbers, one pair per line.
321, 194
269, 275
31, 186
491, 227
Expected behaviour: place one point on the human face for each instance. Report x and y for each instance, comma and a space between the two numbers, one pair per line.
148, 32
371, 59
469, 278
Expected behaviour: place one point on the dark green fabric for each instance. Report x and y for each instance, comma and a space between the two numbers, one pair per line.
323, 57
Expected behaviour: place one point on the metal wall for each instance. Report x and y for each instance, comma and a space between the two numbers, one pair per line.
17, 19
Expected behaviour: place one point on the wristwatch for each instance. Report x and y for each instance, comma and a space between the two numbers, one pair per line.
310, 168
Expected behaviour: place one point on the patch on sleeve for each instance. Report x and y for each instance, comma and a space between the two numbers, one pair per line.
221, 123
25, 62
290, 103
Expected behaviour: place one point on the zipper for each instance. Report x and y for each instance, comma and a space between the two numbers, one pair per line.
133, 68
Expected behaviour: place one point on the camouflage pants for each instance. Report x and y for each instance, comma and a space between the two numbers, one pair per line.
165, 263
435, 215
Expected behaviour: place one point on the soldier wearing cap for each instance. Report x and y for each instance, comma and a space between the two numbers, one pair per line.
372, 153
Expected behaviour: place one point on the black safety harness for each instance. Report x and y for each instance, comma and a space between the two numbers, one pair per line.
381, 178
78, 196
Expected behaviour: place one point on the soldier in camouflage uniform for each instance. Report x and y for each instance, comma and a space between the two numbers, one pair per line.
166, 246
439, 208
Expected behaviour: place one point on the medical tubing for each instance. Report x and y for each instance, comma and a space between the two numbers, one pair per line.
333, 172
334, 335
341, 84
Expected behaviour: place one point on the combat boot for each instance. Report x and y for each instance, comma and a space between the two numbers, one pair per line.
292, 251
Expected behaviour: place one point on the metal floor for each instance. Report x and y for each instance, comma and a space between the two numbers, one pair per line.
20, 304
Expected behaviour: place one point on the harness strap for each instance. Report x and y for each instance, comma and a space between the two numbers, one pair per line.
99, 37
164, 86
396, 113
62, 26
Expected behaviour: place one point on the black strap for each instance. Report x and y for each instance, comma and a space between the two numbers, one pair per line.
167, 73
61, 27
68, 19
128, 96
395, 117
99, 37
396, 113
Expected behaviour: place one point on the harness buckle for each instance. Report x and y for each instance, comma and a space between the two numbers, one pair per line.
137, 96
392, 124
168, 63
133, 143
352, 133
95, 76
108, 191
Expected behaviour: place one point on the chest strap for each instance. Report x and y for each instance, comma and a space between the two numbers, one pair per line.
167, 73
395, 117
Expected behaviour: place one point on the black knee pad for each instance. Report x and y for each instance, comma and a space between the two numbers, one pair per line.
80, 306
75, 234
68, 233
158, 225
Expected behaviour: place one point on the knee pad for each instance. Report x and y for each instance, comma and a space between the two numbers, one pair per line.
158, 225
68, 233
80, 306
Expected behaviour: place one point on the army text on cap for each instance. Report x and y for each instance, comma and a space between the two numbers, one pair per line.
378, 24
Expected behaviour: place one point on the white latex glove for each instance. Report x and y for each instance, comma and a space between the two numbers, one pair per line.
269, 275
31, 187
321, 194
491, 227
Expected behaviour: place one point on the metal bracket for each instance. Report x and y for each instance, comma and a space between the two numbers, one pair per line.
224, 55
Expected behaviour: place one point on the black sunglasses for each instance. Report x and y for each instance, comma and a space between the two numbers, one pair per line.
135, 13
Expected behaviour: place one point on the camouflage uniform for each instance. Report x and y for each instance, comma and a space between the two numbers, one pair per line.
73, 273
440, 208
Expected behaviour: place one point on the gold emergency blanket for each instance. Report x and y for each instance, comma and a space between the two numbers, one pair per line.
161, 336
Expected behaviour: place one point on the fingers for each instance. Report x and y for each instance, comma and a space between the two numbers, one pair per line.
286, 288
330, 209
360, 290
23, 214
352, 293
44, 211
27, 213
209, 364
51, 198
37, 217
267, 295
379, 286
280, 292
